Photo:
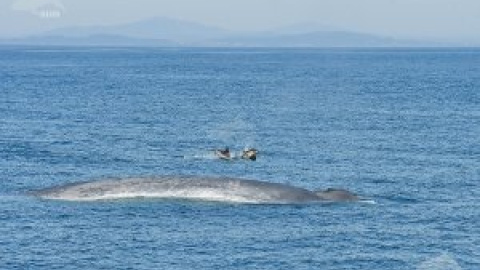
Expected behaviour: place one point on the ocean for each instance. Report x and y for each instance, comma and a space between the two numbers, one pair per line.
397, 126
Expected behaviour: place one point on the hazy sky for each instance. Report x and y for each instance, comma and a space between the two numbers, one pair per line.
450, 19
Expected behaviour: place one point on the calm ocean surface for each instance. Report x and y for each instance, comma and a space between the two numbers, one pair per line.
400, 127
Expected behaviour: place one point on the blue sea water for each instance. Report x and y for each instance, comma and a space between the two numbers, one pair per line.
399, 126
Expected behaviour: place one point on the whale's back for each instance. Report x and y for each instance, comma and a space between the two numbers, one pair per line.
181, 187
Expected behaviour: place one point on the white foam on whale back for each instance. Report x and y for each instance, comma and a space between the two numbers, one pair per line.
111, 190
194, 194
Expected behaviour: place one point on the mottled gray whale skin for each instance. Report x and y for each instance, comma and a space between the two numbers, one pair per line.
222, 189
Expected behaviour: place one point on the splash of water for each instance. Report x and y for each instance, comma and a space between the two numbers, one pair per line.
441, 262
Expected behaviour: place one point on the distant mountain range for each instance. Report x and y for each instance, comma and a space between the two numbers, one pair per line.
90, 40
165, 32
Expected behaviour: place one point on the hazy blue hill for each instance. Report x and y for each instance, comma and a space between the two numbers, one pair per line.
154, 28
91, 40
314, 39
159, 31
301, 28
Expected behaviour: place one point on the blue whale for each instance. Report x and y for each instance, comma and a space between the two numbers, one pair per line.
221, 189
